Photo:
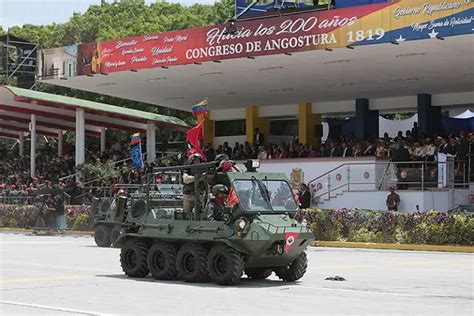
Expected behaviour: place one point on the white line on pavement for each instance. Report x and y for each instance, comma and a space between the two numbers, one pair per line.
54, 308
44, 242
382, 292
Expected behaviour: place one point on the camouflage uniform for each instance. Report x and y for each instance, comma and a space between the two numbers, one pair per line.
217, 211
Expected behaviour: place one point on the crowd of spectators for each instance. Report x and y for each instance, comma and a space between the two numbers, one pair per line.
54, 172
58, 172
418, 148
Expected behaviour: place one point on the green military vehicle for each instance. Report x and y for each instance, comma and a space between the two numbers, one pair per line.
110, 213
258, 236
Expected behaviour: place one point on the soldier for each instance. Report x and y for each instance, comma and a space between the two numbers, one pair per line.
189, 198
217, 209
223, 166
393, 200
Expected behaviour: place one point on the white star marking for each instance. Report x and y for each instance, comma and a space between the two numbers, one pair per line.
400, 39
433, 34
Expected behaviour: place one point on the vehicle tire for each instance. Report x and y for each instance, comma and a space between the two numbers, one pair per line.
162, 261
133, 258
295, 270
192, 263
114, 234
258, 273
102, 236
226, 265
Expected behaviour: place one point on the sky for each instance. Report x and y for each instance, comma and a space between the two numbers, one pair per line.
39, 12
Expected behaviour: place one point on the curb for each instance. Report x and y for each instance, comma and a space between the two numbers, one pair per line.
347, 244
316, 243
53, 231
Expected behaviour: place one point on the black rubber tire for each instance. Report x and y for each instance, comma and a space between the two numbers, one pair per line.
192, 263
162, 261
133, 259
295, 270
226, 265
258, 273
102, 236
114, 234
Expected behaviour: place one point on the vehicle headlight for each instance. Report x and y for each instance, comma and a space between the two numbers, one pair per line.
242, 223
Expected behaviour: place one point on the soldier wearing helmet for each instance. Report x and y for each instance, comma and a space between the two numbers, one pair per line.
189, 198
223, 165
217, 209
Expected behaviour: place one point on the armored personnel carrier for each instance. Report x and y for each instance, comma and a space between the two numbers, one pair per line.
258, 234
110, 213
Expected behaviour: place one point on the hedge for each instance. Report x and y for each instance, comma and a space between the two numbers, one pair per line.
430, 227
24, 216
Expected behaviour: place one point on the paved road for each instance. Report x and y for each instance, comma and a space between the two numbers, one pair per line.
67, 275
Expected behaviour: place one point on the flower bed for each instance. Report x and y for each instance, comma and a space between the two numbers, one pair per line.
21, 216
432, 228
78, 217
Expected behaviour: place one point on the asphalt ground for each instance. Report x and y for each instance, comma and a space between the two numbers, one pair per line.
69, 275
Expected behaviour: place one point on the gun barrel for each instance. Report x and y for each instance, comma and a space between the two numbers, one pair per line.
201, 166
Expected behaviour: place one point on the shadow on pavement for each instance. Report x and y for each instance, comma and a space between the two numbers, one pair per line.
244, 282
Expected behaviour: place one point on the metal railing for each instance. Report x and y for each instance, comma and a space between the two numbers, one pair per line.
165, 155
379, 176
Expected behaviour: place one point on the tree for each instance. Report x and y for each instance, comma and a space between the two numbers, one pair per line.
123, 19
118, 20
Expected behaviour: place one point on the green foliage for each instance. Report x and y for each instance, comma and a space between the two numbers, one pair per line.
79, 217
105, 171
433, 228
22, 216
123, 19
398, 116
83, 221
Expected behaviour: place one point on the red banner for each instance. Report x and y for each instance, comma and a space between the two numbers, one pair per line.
278, 35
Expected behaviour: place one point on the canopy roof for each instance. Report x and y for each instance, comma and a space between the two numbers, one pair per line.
55, 112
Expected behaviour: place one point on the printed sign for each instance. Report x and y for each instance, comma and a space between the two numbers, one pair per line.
394, 22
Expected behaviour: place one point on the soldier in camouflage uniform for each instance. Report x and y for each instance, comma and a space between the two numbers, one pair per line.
217, 209
189, 198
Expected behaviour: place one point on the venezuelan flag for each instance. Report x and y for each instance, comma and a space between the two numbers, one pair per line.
135, 139
200, 108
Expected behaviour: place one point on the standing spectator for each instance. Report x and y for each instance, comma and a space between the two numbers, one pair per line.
414, 131
393, 200
259, 138
304, 196
209, 152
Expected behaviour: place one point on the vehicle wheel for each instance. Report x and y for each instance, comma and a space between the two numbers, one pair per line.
295, 270
102, 236
133, 258
114, 234
258, 273
192, 263
162, 261
226, 265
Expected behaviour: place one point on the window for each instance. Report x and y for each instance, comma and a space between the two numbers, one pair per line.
258, 195
284, 127
229, 128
